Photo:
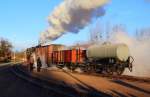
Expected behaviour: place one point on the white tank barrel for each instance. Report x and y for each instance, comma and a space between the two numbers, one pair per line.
119, 51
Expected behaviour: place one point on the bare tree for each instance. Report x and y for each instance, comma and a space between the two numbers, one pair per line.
5, 50
108, 31
143, 34
96, 33
119, 28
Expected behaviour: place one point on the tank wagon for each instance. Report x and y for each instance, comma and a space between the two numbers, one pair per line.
105, 58
110, 58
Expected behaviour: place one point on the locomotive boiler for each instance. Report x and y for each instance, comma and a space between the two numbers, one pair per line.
105, 58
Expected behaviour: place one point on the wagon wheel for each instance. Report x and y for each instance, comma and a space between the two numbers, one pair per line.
68, 66
73, 67
88, 68
109, 70
83, 68
60, 67
119, 72
120, 69
114, 69
105, 70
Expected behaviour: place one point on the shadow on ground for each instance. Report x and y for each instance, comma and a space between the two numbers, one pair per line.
84, 90
130, 86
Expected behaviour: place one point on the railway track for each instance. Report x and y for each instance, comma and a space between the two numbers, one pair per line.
119, 77
129, 78
58, 90
122, 77
113, 77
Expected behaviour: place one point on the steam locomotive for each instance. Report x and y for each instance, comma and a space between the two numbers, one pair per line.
105, 58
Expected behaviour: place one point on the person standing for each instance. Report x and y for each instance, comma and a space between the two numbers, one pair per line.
31, 63
39, 64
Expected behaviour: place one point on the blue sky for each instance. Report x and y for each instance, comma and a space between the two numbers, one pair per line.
21, 21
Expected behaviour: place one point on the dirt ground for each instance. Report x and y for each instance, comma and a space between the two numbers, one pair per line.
12, 86
113, 87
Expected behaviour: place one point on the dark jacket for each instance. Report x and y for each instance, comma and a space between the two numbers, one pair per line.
39, 64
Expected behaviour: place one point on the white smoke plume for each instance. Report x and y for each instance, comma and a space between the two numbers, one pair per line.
139, 49
72, 16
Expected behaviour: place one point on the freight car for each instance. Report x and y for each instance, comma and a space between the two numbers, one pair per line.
44, 52
106, 58
110, 58
70, 58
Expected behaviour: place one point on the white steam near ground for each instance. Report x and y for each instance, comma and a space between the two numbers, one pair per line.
139, 49
72, 16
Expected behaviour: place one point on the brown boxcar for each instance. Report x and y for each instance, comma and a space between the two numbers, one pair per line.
69, 56
77, 56
55, 57
58, 57
61, 56
45, 52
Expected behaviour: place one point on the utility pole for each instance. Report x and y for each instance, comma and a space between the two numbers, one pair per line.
14, 57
